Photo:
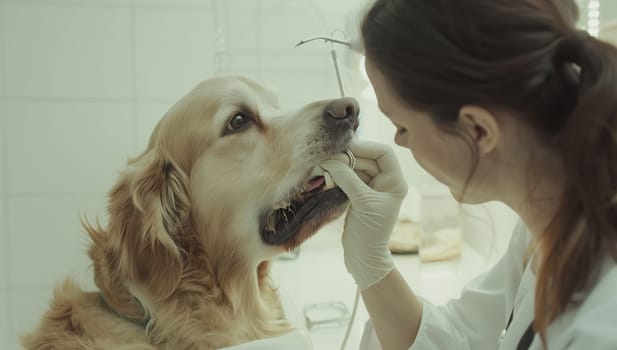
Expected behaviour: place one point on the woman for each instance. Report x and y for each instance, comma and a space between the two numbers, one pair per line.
499, 100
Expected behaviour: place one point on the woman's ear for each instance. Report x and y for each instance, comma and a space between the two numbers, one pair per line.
481, 125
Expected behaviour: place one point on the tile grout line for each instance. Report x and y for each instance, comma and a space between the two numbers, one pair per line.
46, 195
259, 44
67, 3
65, 99
4, 169
34, 288
133, 68
187, 6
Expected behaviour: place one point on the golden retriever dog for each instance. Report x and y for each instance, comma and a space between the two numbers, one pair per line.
225, 185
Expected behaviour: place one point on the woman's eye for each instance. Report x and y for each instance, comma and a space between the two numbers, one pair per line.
238, 122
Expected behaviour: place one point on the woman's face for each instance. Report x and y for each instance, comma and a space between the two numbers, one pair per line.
446, 156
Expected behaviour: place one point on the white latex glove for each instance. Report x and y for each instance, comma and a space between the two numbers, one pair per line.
374, 209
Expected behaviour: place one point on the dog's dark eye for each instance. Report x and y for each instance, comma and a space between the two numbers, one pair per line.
237, 123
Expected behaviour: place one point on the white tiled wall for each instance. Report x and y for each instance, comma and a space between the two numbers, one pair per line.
43, 251
66, 146
147, 116
172, 47
3, 137
4, 259
74, 51
25, 307
239, 37
5, 335
285, 30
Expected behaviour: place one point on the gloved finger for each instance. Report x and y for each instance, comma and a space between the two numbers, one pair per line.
382, 154
345, 178
389, 183
342, 157
390, 177
366, 165
366, 178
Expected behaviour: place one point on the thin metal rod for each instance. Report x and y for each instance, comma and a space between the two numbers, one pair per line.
337, 69
338, 72
325, 38
351, 319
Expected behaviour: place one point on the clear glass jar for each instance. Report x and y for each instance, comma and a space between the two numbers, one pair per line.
440, 224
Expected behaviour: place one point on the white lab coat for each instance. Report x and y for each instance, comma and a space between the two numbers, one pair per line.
476, 320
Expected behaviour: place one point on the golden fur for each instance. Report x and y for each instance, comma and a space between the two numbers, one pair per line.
180, 264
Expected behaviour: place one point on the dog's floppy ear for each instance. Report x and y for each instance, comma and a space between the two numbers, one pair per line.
149, 211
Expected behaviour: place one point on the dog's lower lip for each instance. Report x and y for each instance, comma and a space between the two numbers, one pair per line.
315, 205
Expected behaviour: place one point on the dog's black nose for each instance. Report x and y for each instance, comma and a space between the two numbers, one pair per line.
342, 112
342, 108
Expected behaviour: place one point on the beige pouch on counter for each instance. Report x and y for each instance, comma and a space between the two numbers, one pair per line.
405, 237
444, 244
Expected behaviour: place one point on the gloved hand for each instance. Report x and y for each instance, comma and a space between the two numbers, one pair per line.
375, 205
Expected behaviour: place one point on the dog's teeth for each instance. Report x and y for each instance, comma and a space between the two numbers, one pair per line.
317, 171
282, 205
329, 181
271, 224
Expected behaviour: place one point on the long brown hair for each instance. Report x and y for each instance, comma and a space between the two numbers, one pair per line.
527, 57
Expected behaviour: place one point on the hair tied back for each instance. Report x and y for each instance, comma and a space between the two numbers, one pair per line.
574, 48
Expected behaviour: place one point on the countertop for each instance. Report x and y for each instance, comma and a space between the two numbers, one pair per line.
318, 275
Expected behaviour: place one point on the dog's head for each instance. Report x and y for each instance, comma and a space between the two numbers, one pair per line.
226, 175
255, 179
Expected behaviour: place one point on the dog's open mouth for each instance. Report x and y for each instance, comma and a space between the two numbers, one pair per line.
310, 207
